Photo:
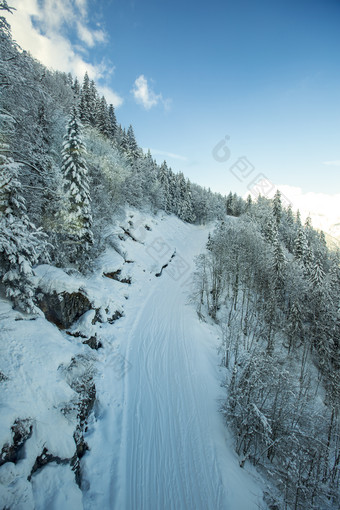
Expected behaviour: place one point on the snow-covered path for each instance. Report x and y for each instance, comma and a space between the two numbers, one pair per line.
168, 458
171, 451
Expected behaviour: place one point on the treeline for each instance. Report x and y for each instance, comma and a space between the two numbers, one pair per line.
67, 168
274, 288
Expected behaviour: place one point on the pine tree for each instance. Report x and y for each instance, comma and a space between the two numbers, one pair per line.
298, 219
289, 215
300, 245
294, 327
113, 122
21, 244
277, 207
123, 141
94, 101
184, 204
187, 208
77, 217
163, 177
133, 187
229, 204
76, 88
4, 25
102, 119
85, 101
133, 150
279, 264
270, 231
317, 273
249, 203
88, 102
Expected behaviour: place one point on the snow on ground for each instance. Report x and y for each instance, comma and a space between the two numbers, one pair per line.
156, 438
31, 351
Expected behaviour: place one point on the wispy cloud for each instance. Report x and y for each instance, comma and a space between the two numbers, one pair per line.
145, 96
90, 37
157, 152
41, 27
336, 162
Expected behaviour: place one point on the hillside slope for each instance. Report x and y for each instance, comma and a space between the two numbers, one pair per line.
153, 436
162, 433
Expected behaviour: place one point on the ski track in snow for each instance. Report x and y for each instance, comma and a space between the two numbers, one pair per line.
165, 438
165, 444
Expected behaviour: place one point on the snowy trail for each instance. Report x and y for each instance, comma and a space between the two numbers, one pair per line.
168, 459
171, 453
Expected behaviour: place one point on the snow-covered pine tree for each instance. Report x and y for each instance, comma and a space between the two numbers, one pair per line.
163, 177
279, 264
133, 186
249, 203
4, 25
186, 211
317, 273
229, 204
294, 328
133, 150
300, 244
77, 215
88, 101
123, 141
94, 100
152, 190
269, 229
102, 120
21, 243
76, 88
277, 207
113, 122
85, 101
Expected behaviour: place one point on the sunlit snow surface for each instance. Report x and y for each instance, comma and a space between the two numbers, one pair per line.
157, 440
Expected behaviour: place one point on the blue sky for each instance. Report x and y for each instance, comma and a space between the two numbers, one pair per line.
266, 73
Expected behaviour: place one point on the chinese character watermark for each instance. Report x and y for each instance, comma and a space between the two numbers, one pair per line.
121, 366
243, 170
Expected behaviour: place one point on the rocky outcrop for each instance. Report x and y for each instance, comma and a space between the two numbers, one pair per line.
79, 375
116, 276
93, 342
45, 458
117, 315
63, 309
21, 431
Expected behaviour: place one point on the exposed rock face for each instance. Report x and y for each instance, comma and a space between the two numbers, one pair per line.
63, 309
87, 393
116, 276
21, 430
117, 315
43, 459
93, 342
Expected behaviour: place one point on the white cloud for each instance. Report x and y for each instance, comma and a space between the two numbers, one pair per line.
90, 37
323, 208
336, 162
145, 96
40, 27
110, 96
